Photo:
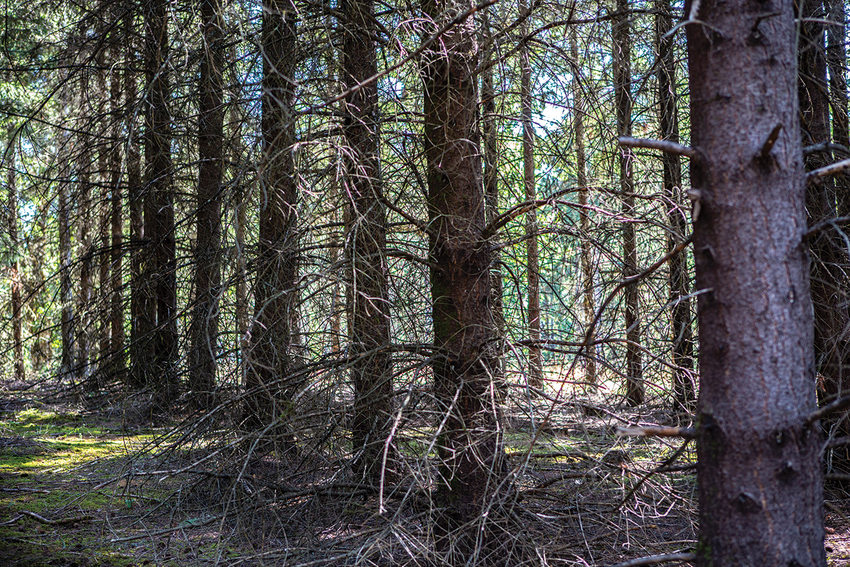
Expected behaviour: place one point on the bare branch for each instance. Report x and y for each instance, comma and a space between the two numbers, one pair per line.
662, 145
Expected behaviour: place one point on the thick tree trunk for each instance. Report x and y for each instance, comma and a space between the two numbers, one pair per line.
464, 329
829, 258
684, 389
15, 280
623, 102
532, 256
270, 374
368, 298
760, 490
160, 272
588, 301
104, 226
84, 239
202, 362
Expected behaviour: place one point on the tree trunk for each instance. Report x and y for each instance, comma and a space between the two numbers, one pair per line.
684, 390
836, 59
464, 329
104, 226
535, 354
84, 239
368, 298
829, 259
760, 491
141, 316
623, 102
270, 374
491, 185
202, 363
588, 301
66, 295
116, 302
15, 279
160, 273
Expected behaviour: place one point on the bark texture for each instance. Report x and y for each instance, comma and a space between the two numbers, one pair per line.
760, 491
368, 298
202, 362
464, 329
270, 374
160, 269
18, 369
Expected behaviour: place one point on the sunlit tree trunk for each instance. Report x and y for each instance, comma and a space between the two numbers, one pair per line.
116, 301
760, 490
84, 238
66, 295
623, 103
366, 245
204, 350
15, 279
535, 354
684, 390
270, 374
464, 329
588, 301
104, 225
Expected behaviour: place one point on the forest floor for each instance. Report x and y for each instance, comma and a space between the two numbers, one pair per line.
79, 489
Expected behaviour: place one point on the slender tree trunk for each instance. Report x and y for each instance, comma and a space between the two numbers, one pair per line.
84, 239
142, 317
623, 102
366, 246
208, 247
491, 184
104, 226
160, 273
535, 354
14, 269
588, 302
116, 301
464, 328
760, 491
684, 390
836, 58
829, 259
270, 375
66, 295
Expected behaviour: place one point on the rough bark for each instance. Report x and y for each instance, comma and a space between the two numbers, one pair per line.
623, 103
684, 388
104, 226
588, 301
532, 256
18, 369
270, 374
829, 258
160, 269
371, 367
464, 329
202, 362
84, 240
760, 491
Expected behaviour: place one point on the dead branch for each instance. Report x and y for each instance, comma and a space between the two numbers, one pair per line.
657, 431
662, 145
655, 559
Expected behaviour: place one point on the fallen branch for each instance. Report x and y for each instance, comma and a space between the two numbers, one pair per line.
655, 559
832, 407
42, 520
663, 145
658, 431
